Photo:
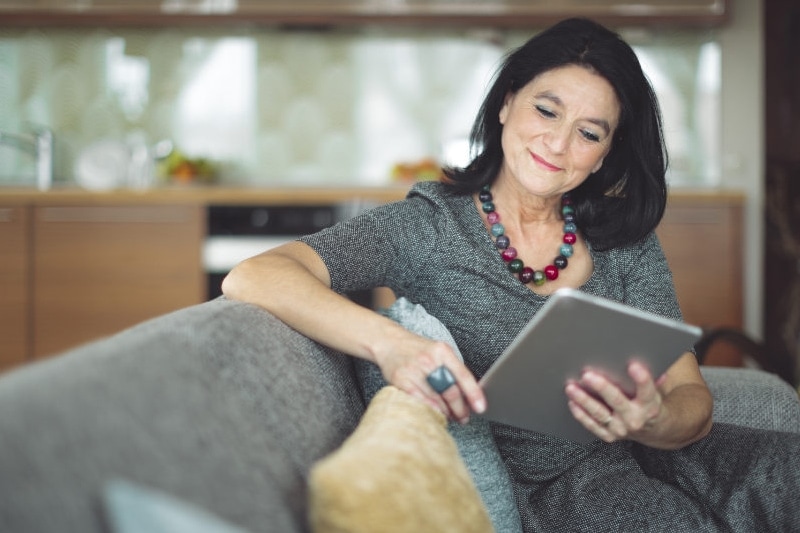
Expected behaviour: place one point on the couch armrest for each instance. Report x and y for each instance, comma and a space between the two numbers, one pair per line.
753, 398
219, 404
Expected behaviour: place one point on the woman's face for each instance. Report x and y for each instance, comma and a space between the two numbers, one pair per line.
557, 130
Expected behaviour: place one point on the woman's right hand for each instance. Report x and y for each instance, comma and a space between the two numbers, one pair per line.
407, 362
283, 281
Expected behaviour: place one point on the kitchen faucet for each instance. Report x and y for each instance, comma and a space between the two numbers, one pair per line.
40, 145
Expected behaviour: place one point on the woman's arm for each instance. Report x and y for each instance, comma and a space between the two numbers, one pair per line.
668, 413
293, 283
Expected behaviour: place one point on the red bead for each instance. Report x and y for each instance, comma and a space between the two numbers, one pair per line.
526, 275
509, 253
551, 272
493, 217
570, 238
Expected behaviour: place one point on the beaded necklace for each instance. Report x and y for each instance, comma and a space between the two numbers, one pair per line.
509, 254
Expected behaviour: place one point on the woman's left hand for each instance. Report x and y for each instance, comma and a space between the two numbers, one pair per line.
605, 410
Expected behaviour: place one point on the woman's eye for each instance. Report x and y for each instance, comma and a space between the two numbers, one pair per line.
545, 112
590, 136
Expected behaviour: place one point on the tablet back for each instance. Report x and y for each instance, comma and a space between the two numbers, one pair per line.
574, 331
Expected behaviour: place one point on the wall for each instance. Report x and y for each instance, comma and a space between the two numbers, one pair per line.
742, 140
782, 187
326, 106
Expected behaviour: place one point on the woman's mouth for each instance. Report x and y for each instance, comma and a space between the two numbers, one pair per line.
545, 164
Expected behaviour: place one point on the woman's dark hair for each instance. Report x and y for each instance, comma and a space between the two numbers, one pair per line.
625, 199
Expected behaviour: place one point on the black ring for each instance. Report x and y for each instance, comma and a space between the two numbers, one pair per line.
441, 379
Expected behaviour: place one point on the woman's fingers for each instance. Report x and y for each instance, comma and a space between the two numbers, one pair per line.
457, 387
593, 414
436, 375
605, 410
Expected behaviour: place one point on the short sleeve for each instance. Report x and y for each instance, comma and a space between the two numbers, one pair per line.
384, 246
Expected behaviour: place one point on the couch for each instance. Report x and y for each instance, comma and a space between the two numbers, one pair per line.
220, 406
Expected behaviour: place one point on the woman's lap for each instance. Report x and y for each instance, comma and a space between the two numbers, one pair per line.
736, 479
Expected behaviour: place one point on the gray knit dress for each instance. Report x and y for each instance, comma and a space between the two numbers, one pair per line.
433, 249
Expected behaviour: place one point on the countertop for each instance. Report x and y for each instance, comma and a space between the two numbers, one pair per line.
204, 195
280, 195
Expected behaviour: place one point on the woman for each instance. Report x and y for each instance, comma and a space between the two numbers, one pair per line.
568, 179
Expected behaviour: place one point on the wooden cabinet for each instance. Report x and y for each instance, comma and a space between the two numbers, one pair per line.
325, 13
15, 305
98, 269
702, 238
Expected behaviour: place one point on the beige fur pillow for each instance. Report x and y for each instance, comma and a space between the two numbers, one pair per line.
399, 472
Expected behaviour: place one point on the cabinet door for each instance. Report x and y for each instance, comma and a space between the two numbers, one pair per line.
14, 286
702, 241
98, 270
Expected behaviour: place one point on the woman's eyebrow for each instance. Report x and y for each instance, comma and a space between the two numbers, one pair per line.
601, 123
547, 95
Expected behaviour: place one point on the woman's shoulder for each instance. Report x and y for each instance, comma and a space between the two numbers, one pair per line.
633, 250
437, 193
644, 255
429, 203
428, 189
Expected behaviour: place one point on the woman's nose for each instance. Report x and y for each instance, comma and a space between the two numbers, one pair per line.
557, 138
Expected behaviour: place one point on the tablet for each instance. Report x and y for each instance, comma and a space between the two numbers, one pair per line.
571, 332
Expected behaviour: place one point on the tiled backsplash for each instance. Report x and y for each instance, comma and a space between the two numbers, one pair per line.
315, 107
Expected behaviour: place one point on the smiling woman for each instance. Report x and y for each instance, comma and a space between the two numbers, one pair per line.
562, 180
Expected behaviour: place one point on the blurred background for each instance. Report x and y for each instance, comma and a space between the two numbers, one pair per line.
264, 96
310, 103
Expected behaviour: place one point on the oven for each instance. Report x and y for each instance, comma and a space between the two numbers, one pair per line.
236, 232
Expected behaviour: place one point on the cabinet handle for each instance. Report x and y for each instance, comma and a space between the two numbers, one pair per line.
116, 215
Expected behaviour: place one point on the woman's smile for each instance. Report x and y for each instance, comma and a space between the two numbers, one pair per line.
543, 162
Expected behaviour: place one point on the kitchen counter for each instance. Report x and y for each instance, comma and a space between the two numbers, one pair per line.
279, 195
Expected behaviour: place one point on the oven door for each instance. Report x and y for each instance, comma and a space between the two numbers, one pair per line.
223, 252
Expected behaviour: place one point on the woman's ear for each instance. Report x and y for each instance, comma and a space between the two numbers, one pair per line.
503, 115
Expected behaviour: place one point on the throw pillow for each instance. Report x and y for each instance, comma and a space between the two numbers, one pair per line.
474, 440
399, 472
132, 508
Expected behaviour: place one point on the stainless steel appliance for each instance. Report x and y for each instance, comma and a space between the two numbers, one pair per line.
236, 232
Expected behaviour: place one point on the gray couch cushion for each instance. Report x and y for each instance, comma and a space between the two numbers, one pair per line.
220, 405
753, 398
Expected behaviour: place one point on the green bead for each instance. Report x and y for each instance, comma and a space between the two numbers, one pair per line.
539, 278
487, 207
515, 265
